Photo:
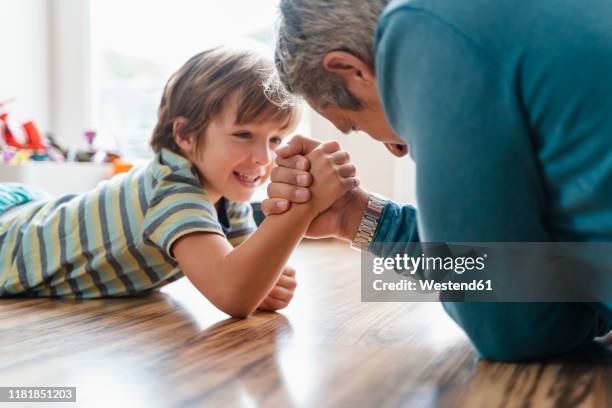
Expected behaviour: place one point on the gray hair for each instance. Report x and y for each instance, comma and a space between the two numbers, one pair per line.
308, 30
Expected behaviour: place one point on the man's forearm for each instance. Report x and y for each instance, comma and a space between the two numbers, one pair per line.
351, 217
398, 223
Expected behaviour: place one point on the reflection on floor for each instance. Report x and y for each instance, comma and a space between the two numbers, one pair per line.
326, 349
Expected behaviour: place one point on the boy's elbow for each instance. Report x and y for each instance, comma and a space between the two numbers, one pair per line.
233, 302
239, 312
237, 309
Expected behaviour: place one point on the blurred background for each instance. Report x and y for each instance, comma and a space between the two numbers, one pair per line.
99, 66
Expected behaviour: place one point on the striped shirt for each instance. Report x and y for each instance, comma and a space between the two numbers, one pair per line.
114, 240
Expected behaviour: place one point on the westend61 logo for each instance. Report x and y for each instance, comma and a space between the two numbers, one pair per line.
411, 264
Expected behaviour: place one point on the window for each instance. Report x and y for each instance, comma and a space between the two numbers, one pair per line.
138, 44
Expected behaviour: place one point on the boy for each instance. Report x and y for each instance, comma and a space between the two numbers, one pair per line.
187, 212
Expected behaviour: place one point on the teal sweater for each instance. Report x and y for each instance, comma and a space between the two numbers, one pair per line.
507, 109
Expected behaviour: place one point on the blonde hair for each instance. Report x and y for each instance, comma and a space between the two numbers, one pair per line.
200, 88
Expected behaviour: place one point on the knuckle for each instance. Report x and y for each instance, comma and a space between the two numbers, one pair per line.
295, 161
270, 189
265, 207
334, 145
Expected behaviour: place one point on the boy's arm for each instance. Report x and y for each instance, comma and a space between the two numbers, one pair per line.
236, 280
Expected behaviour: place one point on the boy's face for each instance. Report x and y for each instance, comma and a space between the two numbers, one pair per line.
236, 159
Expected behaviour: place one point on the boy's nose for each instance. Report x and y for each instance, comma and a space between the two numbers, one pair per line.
263, 155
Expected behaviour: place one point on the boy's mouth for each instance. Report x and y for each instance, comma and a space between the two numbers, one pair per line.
247, 180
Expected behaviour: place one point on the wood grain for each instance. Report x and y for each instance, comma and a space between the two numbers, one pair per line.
327, 349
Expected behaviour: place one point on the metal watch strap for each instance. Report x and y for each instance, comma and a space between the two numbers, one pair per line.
369, 222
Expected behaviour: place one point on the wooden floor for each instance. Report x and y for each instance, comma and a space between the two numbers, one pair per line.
326, 349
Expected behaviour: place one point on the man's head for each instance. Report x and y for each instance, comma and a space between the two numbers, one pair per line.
325, 53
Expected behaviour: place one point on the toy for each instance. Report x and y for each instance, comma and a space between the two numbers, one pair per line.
24, 144
35, 141
7, 134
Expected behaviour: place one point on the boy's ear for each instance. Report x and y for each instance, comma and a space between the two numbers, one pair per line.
183, 140
352, 69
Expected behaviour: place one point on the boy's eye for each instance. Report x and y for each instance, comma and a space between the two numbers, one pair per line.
276, 141
242, 135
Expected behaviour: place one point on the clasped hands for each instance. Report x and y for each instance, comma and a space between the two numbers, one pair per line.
290, 182
291, 179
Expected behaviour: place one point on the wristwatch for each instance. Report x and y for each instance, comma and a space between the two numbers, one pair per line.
369, 222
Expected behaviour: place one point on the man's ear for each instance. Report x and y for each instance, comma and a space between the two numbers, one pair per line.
349, 67
183, 140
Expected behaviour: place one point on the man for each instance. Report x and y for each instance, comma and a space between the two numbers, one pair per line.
505, 107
